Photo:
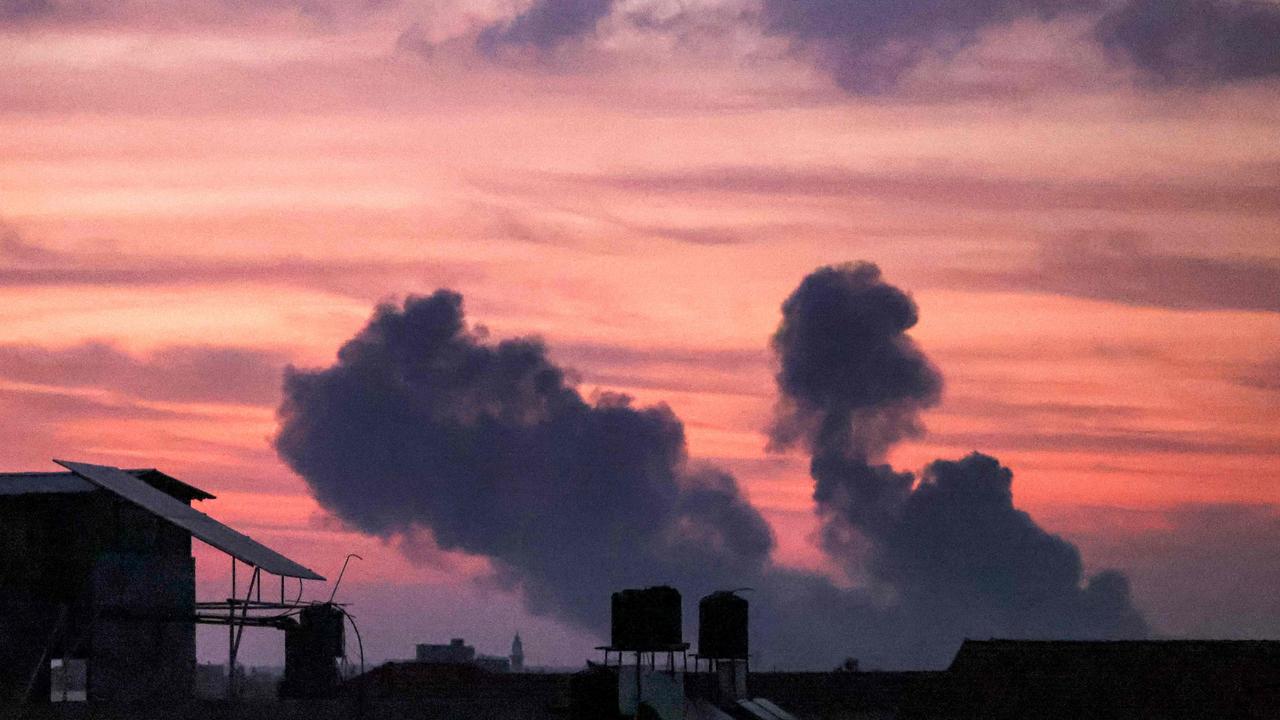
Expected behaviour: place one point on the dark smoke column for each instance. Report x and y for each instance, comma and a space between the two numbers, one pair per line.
423, 426
951, 549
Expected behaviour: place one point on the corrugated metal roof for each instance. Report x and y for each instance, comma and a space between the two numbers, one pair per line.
240, 546
24, 483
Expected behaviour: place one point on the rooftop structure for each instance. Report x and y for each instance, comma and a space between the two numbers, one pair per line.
96, 573
457, 652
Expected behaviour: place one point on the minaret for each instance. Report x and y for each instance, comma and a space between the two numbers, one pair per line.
517, 655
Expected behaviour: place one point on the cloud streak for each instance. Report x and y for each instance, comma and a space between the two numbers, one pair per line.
24, 264
182, 373
1127, 268
945, 188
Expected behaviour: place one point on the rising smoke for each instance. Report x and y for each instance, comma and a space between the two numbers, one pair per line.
423, 425
950, 545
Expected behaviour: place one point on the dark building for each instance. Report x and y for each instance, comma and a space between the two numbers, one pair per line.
97, 582
517, 654
461, 690
457, 652
1119, 679
85, 574
1052, 680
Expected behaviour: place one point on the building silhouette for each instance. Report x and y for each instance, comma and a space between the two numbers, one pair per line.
517, 654
456, 652
97, 586
88, 577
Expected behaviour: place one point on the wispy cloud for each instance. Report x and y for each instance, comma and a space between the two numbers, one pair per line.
196, 374
27, 264
1261, 376
948, 187
1127, 268
1129, 442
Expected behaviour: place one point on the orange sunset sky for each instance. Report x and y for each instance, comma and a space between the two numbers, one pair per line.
195, 195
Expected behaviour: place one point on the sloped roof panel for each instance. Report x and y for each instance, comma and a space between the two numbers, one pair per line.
238, 545
41, 483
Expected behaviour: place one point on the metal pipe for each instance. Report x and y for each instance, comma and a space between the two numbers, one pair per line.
236, 635
340, 574
231, 636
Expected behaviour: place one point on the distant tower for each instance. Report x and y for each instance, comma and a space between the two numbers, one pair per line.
517, 655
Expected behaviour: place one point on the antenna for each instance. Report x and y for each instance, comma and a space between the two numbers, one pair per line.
338, 582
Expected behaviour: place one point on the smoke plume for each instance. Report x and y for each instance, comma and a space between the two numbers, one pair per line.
423, 425
951, 548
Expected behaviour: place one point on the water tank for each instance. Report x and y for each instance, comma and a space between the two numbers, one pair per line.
722, 626
311, 648
327, 624
646, 619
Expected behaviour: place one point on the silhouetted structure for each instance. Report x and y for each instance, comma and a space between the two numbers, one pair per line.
438, 690
457, 652
493, 663
646, 620
97, 580
1121, 679
1001, 679
723, 633
311, 651
517, 654
722, 626
86, 574
1053, 680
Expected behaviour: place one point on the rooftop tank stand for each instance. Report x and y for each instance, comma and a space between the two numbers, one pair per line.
723, 635
250, 610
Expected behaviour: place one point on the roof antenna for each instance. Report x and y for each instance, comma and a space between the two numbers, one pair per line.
344, 572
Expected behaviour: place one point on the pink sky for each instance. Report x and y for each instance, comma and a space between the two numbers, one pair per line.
190, 201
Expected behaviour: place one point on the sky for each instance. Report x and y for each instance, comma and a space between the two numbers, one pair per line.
1082, 198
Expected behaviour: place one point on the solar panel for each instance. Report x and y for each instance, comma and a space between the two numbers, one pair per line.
238, 545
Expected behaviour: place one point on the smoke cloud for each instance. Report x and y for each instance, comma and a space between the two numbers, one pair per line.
421, 424
424, 425
1196, 42
869, 45
950, 546
546, 24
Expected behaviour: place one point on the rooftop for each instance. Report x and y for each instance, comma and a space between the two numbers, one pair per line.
27, 483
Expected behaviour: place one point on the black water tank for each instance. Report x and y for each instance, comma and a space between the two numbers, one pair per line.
327, 623
648, 619
311, 646
722, 626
